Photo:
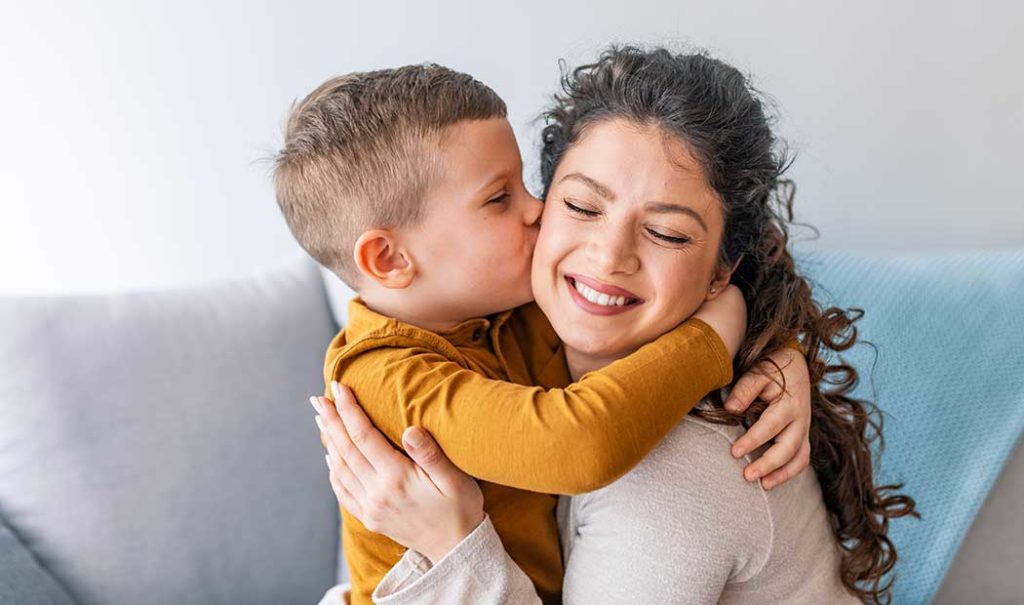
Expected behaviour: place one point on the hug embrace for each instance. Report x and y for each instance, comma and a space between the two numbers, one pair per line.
620, 392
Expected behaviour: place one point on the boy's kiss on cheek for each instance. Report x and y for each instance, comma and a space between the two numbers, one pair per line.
476, 235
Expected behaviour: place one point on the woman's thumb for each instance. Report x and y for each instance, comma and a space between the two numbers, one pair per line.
424, 451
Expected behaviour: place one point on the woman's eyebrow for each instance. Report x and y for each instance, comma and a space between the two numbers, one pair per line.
669, 208
600, 189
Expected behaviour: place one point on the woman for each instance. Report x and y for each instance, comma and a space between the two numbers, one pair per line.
658, 171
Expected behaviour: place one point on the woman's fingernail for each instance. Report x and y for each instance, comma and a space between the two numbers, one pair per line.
334, 389
316, 404
415, 438
327, 459
319, 422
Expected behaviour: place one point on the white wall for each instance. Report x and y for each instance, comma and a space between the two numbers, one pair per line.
132, 133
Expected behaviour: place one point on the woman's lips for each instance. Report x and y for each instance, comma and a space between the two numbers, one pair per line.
602, 287
632, 301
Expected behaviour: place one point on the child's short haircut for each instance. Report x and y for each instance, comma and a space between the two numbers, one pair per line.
360, 153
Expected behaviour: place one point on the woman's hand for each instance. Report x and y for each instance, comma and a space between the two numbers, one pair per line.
787, 419
426, 503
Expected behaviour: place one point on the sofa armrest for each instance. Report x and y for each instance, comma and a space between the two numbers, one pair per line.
987, 567
22, 579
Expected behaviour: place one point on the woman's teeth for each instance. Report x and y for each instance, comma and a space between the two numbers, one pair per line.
597, 298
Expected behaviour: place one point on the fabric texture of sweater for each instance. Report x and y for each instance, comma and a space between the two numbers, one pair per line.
681, 527
472, 388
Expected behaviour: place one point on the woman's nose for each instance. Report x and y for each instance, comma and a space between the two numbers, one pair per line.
613, 252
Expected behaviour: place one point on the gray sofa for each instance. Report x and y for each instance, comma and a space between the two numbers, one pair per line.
157, 447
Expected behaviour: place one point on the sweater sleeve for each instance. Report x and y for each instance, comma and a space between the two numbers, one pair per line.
556, 441
477, 570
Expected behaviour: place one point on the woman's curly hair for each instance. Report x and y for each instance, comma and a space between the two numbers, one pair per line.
713, 109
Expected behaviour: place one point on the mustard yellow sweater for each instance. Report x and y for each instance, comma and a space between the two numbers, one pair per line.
473, 387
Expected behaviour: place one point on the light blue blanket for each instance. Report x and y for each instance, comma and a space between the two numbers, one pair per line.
949, 377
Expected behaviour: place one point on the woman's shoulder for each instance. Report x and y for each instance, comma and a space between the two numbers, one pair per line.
694, 439
800, 543
689, 491
692, 464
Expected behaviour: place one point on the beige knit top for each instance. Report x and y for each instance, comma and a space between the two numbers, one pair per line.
681, 527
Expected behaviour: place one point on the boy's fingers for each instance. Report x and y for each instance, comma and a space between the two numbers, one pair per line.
770, 424
425, 451
791, 468
757, 383
375, 448
744, 392
786, 447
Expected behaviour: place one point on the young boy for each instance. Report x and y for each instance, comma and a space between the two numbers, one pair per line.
407, 184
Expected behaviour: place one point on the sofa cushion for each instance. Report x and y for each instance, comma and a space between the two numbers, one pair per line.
159, 447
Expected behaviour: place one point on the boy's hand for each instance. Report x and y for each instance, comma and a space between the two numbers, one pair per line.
787, 419
426, 503
727, 315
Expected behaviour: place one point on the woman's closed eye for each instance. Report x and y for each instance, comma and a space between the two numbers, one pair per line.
671, 239
577, 209
580, 210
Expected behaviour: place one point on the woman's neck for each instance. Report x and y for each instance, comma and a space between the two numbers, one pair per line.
581, 362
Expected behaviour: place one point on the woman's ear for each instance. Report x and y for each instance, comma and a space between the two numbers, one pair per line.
381, 258
723, 274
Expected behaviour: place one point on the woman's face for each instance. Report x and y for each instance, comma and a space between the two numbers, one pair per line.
628, 242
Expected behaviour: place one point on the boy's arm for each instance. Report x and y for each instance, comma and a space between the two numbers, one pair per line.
559, 441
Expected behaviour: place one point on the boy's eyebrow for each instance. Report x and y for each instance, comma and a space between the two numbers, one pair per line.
600, 189
670, 208
491, 182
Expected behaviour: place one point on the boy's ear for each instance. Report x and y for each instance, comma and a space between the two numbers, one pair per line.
382, 259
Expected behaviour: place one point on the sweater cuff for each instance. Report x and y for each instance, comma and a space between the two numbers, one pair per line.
414, 580
722, 356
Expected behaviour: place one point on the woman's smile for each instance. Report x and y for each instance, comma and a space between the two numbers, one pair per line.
598, 298
628, 244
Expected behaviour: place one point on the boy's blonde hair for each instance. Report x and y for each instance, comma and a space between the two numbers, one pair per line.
360, 153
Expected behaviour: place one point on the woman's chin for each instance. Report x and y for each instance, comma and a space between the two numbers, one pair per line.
598, 346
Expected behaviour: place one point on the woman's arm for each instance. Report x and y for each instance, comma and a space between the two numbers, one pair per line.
431, 507
476, 570
424, 503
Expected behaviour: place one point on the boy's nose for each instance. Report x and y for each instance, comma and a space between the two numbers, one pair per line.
534, 208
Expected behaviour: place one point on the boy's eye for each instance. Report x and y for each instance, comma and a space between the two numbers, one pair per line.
581, 211
498, 199
668, 238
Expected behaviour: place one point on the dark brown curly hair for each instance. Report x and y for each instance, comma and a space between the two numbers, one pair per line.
713, 109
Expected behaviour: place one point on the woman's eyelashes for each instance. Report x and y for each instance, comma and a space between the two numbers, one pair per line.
579, 210
669, 238
576, 208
